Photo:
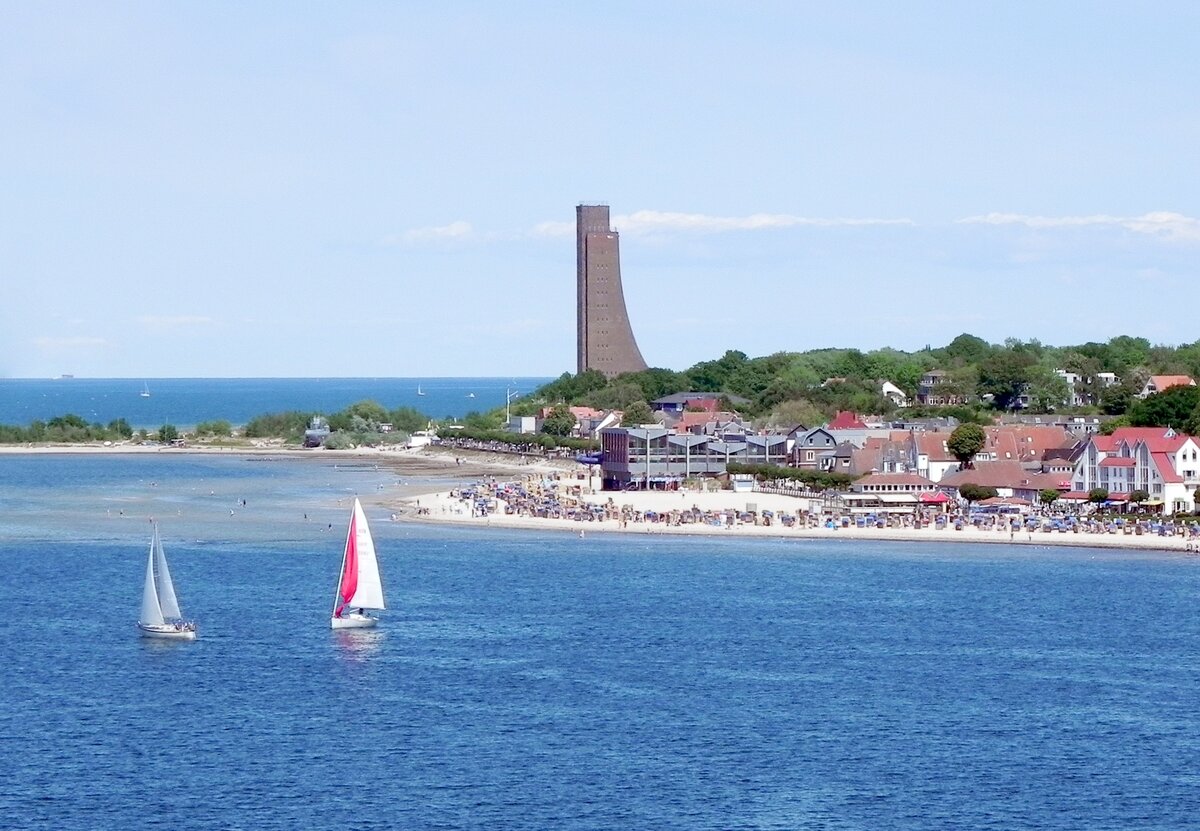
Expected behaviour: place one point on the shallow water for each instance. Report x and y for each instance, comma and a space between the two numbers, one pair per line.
539, 680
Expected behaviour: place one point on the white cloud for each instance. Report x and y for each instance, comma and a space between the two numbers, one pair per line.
163, 323
554, 229
49, 344
1165, 224
655, 222
455, 230
648, 222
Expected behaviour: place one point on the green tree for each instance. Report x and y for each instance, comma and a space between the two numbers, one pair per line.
967, 349
1138, 496
1173, 407
120, 427
214, 428
1097, 495
974, 493
287, 425
799, 411
362, 416
1048, 496
1047, 391
1113, 425
407, 419
1127, 352
167, 433
637, 413
1003, 375
965, 442
560, 422
711, 376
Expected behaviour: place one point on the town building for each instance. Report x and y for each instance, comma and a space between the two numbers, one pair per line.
937, 389
1157, 460
1158, 383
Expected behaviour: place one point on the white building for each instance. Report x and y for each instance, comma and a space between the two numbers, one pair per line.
1157, 460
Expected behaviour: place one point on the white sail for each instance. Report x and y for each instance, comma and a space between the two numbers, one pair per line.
368, 594
151, 612
166, 587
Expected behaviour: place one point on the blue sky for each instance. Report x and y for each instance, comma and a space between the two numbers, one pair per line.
388, 189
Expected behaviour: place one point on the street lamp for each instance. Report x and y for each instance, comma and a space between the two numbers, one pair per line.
509, 395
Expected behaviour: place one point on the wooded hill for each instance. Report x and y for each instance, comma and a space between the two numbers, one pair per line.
810, 387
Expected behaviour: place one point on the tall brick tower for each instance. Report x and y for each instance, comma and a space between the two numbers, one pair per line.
604, 338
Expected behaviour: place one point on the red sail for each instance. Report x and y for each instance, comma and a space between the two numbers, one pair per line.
350, 566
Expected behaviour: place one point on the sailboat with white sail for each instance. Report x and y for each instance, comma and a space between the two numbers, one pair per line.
419, 390
145, 393
161, 616
359, 586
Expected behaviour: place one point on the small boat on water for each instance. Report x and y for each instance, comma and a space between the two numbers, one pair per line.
470, 395
419, 392
359, 586
145, 393
161, 616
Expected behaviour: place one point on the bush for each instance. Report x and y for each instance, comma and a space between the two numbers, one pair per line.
214, 428
817, 479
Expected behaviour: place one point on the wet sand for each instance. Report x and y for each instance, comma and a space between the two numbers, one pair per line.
413, 498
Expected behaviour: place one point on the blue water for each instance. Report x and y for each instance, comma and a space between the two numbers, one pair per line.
185, 402
543, 681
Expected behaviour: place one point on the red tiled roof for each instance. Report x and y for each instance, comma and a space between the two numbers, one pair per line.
1162, 382
1026, 441
586, 412
895, 479
1117, 461
846, 420
933, 445
1004, 474
1162, 461
1155, 438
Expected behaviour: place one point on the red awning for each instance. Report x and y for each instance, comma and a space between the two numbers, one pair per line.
936, 498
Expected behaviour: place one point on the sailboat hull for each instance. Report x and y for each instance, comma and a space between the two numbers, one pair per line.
353, 621
166, 631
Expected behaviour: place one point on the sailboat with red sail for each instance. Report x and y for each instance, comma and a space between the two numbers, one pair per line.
359, 586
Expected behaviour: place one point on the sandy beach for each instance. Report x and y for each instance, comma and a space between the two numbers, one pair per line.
460, 508
477, 470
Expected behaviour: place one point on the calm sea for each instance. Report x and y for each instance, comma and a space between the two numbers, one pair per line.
544, 681
185, 402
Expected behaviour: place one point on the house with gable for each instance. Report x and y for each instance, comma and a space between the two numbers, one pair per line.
1157, 460
893, 393
1158, 383
928, 454
1010, 479
682, 401
848, 426
808, 445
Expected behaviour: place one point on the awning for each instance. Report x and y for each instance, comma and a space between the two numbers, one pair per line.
888, 498
898, 498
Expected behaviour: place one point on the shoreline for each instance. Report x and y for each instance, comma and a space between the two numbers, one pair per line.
453, 508
414, 503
